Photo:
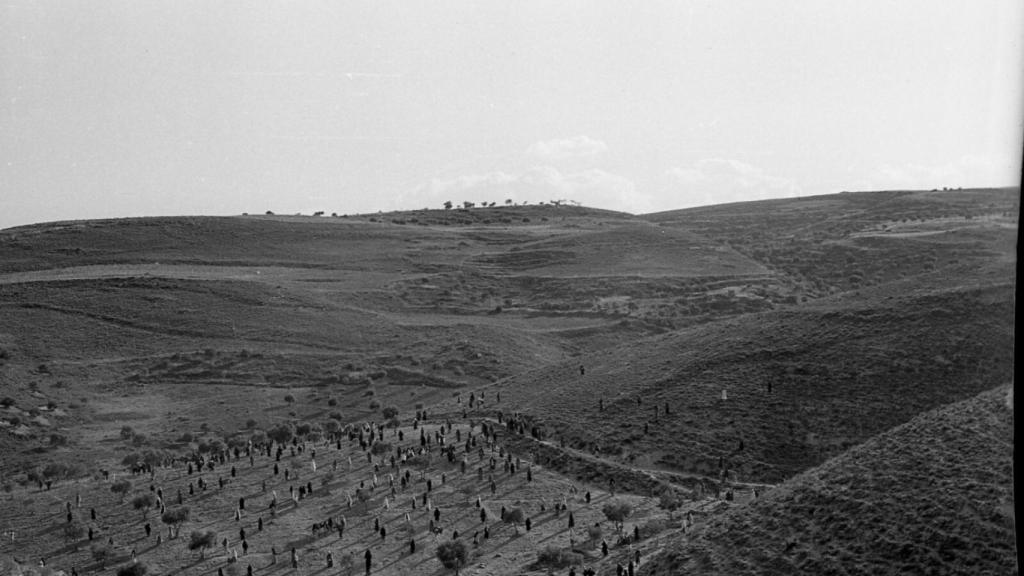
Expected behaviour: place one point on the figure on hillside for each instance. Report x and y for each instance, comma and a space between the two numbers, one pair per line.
368, 557
582, 370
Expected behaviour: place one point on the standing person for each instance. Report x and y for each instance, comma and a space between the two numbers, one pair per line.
368, 556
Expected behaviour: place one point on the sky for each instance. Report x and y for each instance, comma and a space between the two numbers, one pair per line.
145, 107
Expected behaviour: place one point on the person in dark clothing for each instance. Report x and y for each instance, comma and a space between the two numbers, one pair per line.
369, 561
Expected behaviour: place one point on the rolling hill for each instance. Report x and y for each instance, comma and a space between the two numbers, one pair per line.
934, 496
722, 348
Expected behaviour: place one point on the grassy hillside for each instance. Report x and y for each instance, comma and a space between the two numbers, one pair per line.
933, 496
839, 242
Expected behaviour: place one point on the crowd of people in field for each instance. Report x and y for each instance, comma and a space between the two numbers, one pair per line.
390, 475
395, 486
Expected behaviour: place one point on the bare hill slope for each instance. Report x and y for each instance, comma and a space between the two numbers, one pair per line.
933, 496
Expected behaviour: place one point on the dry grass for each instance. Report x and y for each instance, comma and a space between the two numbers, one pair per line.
933, 496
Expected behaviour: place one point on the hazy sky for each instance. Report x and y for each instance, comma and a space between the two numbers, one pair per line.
135, 107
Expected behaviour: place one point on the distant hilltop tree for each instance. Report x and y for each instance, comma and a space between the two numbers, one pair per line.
467, 204
447, 204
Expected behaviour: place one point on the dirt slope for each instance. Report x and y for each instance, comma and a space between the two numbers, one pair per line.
933, 496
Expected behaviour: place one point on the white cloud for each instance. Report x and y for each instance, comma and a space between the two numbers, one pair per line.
967, 172
576, 147
595, 188
724, 180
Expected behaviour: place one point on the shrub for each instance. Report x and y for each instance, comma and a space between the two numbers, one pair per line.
380, 448
201, 540
653, 528
250, 423
133, 569
121, 488
515, 517
332, 402
101, 553
552, 557
669, 500
374, 404
281, 433
73, 532
127, 433
59, 470
175, 517
289, 398
617, 512
144, 502
390, 412
452, 554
